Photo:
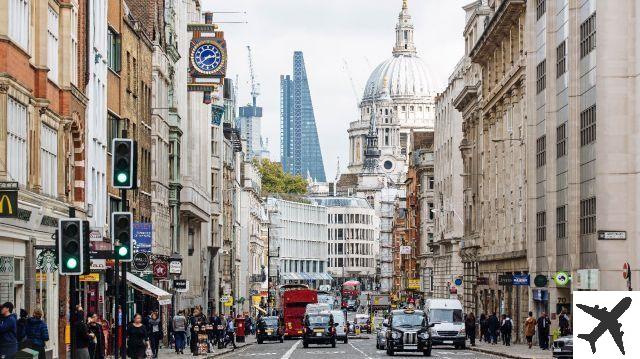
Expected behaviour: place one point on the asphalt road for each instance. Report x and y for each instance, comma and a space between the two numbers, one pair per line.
361, 349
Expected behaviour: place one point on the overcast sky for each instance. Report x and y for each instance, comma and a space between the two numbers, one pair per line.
329, 32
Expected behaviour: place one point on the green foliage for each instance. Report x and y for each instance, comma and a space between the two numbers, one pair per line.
275, 180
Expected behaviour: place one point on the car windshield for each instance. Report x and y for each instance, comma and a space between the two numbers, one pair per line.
318, 319
271, 322
445, 315
407, 320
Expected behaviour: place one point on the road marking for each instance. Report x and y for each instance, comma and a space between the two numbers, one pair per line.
326, 353
287, 355
256, 354
360, 351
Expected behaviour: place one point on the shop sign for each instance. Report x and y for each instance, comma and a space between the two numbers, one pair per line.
540, 280
140, 261
521, 279
181, 285
505, 279
141, 235
175, 267
405, 249
91, 277
482, 281
160, 270
612, 235
225, 298
8, 199
41, 277
414, 283
562, 278
95, 236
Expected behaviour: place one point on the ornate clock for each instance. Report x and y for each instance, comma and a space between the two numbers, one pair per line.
207, 58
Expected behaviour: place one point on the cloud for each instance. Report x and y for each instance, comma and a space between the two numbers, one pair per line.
329, 32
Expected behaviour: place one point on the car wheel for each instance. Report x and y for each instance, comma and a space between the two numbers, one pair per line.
259, 340
305, 344
427, 352
333, 343
463, 346
346, 339
389, 351
281, 340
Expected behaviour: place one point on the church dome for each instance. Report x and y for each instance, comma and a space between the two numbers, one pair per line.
405, 76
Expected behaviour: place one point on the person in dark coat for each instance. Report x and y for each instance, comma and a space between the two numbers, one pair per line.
492, 326
506, 327
137, 338
8, 331
83, 336
36, 332
97, 346
483, 328
197, 320
21, 325
216, 322
564, 323
154, 330
470, 328
543, 331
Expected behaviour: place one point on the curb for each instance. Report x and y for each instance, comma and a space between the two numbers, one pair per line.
227, 351
502, 354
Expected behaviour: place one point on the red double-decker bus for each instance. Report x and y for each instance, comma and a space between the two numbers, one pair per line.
293, 303
350, 293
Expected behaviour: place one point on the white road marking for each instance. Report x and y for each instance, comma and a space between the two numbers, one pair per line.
256, 354
287, 355
360, 351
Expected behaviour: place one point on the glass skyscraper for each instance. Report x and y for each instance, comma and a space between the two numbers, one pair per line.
299, 145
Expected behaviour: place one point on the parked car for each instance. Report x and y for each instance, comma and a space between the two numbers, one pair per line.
319, 330
408, 330
446, 314
563, 347
269, 330
341, 325
364, 322
381, 336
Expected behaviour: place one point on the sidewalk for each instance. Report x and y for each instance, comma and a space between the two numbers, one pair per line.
519, 351
169, 353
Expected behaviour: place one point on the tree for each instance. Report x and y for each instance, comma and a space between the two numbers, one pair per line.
275, 180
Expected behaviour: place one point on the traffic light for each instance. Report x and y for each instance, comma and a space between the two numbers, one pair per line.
71, 246
122, 228
123, 165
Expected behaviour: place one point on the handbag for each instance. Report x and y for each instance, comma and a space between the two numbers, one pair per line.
149, 352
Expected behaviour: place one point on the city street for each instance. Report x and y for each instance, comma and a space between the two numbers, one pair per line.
292, 349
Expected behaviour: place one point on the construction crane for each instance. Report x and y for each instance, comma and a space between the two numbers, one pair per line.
353, 85
255, 86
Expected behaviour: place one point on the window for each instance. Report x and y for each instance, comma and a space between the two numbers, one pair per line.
17, 159
48, 160
588, 216
588, 35
114, 129
561, 221
588, 126
19, 17
541, 226
541, 8
561, 59
128, 71
114, 50
541, 76
431, 182
561, 140
52, 44
541, 151
74, 44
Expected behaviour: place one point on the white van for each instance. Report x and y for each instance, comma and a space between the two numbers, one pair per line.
341, 328
449, 319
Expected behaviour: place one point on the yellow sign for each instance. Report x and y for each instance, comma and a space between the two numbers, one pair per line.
40, 276
256, 299
229, 302
414, 284
91, 277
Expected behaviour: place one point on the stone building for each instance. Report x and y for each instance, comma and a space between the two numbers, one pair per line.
43, 84
501, 54
582, 155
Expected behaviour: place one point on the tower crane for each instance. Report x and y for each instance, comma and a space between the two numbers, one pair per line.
255, 86
353, 85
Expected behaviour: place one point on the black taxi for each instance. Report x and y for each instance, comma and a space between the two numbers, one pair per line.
269, 328
408, 331
319, 328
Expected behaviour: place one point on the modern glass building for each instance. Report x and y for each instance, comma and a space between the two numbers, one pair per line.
299, 145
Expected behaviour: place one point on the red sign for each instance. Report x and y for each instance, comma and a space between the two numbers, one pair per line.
626, 274
160, 270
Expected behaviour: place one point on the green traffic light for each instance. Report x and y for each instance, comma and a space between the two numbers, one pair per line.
123, 251
72, 263
122, 177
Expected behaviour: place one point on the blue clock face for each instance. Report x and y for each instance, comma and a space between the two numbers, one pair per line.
207, 58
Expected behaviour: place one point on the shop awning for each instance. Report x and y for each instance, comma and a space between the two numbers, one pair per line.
164, 298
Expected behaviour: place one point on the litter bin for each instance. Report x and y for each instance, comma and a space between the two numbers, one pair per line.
26, 353
240, 329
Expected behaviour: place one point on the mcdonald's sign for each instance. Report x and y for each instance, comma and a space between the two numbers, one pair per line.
8, 199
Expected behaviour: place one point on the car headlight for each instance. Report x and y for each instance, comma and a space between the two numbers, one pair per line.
462, 332
396, 335
424, 335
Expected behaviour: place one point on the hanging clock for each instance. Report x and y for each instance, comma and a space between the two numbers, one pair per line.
208, 57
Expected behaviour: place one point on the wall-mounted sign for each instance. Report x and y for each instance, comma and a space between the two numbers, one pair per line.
8, 199
521, 279
181, 285
540, 280
160, 270
140, 261
458, 282
175, 267
587, 279
482, 281
612, 235
405, 249
505, 279
562, 278
91, 277
414, 283
142, 233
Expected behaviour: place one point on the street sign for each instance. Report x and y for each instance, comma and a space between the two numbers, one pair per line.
140, 261
175, 267
160, 270
405, 249
95, 236
626, 270
521, 279
8, 199
458, 281
142, 237
612, 235
181, 285
505, 279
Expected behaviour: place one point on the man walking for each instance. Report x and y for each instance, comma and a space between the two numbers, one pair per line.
543, 331
530, 329
231, 330
8, 331
470, 328
179, 325
492, 326
506, 326
564, 323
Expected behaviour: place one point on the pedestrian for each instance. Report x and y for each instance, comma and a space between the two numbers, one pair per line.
493, 325
506, 327
544, 325
8, 331
36, 333
97, 348
216, 324
83, 336
155, 332
137, 338
470, 328
564, 323
248, 329
483, 328
530, 329
179, 324
221, 325
21, 325
231, 331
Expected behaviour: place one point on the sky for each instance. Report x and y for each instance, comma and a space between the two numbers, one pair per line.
330, 32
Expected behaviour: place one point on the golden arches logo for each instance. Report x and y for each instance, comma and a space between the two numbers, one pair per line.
3, 199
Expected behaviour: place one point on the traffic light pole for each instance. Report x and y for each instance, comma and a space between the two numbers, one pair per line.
123, 271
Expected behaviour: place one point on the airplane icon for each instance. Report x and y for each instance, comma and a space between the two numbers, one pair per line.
608, 322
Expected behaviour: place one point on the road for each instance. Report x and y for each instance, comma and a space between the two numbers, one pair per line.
360, 349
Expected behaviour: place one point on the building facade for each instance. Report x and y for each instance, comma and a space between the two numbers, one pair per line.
300, 151
352, 239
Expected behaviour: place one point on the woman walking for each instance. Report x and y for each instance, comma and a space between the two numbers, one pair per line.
137, 339
97, 347
36, 332
155, 333
470, 328
484, 333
